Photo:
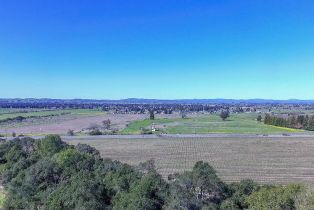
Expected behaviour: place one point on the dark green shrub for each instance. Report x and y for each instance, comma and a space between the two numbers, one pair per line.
95, 132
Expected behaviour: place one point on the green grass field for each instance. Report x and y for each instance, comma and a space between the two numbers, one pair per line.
42, 113
237, 123
135, 126
3, 110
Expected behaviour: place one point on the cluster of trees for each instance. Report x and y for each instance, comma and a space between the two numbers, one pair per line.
295, 121
162, 108
50, 174
104, 129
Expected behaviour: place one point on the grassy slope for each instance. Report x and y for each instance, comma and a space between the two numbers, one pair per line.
47, 113
239, 123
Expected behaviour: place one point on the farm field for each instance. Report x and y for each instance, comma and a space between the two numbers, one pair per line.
42, 122
38, 121
237, 123
42, 113
263, 159
76, 119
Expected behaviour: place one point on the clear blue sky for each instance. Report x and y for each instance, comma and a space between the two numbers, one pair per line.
167, 49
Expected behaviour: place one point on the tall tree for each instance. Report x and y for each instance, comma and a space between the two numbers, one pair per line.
151, 115
224, 114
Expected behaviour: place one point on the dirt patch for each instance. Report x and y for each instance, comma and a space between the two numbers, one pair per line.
118, 121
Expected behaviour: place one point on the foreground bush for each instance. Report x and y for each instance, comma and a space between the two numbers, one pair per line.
278, 197
50, 174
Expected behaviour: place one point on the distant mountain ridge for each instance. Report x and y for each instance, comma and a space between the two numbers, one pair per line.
157, 101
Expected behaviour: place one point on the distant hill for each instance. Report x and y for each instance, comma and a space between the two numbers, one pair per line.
157, 101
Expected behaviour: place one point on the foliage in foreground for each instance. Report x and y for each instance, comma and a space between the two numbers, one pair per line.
50, 174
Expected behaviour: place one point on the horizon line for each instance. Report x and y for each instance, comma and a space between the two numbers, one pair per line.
177, 99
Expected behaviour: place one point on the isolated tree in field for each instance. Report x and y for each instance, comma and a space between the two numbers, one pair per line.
106, 123
183, 114
259, 118
70, 132
151, 115
224, 114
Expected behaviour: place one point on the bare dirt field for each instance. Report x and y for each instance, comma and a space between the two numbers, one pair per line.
63, 125
263, 159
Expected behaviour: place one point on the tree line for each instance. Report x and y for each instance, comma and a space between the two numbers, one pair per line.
50, 174
126, 107
305, 122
